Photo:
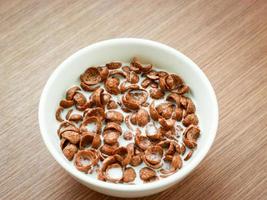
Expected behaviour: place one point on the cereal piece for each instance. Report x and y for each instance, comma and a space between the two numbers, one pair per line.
75, 117
173, 97
79, 99
128, 135
58, 114
109, 149
91, 76
109, 163
156, 93
127, 122
176, 163
129, 175
103, 72
114, 116
190, 106
146, 82
89, 88
166, 124
85, 160
112, 105
153, 111
111, 137
113, 65
69, 151
71, 92
133, 99
68, 114
190, 119
126, 69
165, 110
133, 78
142, 141
182, 89
141, 118
114, 173
153, 156
97, 112
113, 126
124, 155
152, 132
66, 126
66, 103
112, 85
178, 114
91, 120
97, 97
71, 136
90, 139
147, 174
189, 155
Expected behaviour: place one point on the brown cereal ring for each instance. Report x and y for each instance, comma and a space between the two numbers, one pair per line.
68, 114
58, 114
173, 81
112, 105
75, 117
182, 89
72, 136
85, 160
91, 76
189, 155
66, 103
90, 139
89, 88
152, 132
178, 114
90, 120
173, 97
126, 69
103, 72
191, 108
113, 65
190, 119
110, 176
147, 174
146, 82
114, 116
141, 118
71, 92
176, 163
156, 93
69, 151
132, 77
152, 75
129, 175
128, 135
96, 97
108, 164
124, 155
111, 137
66, 126
153, 156
94, 112
153, 111
112, 85
79, 99
113, 126
127, 122
133, 99
165, 110
109, 149
141, 141
166, 124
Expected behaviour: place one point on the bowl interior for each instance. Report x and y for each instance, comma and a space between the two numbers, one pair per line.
161, 56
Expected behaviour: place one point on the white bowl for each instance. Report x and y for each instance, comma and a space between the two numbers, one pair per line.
124, 49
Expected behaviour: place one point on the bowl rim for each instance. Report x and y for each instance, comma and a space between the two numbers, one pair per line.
123, 187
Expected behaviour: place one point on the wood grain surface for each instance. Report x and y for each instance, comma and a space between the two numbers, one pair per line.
227, 39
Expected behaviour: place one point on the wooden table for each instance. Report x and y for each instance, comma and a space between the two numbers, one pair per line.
227, 39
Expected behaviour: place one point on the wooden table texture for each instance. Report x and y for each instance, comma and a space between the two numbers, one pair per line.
227, 39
